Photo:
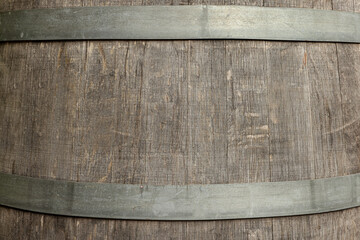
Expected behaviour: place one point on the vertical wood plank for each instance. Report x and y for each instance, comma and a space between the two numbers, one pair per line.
326, 112
207, 113
291, 146
247, 112
349, 78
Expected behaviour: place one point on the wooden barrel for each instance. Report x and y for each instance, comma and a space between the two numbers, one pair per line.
178, 113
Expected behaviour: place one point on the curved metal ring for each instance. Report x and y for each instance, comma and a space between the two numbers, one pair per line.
170, 202
180, 22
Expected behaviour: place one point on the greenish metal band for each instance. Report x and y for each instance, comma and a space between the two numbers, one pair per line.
170, 202
180, 22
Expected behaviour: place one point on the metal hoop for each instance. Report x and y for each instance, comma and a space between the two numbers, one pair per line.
180, 22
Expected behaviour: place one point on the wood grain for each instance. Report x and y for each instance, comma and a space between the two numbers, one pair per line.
179, 112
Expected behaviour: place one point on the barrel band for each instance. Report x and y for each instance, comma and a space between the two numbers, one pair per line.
180, 22
180, 202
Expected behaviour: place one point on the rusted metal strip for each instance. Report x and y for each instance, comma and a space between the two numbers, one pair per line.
180, 22
170, 202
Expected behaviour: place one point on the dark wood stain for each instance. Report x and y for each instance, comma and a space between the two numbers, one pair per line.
180, 112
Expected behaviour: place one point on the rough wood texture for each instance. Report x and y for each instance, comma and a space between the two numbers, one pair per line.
180, 112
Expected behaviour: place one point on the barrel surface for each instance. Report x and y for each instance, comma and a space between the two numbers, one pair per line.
178, 113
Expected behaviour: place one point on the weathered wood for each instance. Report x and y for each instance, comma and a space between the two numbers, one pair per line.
349, 75
312, 115
179, 112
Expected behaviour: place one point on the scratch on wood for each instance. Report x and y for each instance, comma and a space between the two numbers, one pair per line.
343, 127
103, 179
109, 166
229, 75
102, 53
252, 115
257, 136
122, 133
305, 59
60, 52
264, 127
273, 117
42, 221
